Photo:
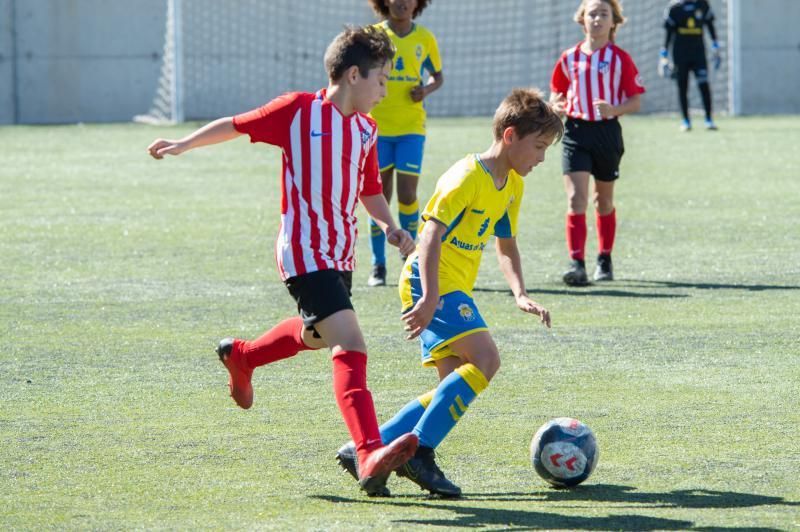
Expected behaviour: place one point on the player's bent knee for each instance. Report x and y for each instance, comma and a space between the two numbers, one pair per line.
577, 205
488, 363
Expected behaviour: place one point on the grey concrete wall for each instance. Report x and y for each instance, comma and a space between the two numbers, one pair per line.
87, 60
6, 63
770, 56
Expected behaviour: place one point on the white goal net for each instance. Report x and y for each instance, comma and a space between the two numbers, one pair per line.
223, 57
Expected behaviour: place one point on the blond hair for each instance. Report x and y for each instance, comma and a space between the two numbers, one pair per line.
616, 14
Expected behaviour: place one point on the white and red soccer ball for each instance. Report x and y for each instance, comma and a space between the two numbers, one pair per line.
564, 452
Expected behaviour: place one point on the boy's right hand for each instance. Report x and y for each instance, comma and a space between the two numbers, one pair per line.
161, 147
558, 102
419, 317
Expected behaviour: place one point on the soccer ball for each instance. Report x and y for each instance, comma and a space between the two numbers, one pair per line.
564, 452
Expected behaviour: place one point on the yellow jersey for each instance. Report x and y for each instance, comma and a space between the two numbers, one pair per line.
467, 201
397, 114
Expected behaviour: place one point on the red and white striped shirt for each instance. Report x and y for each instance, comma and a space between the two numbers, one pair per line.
606, 74
329, 161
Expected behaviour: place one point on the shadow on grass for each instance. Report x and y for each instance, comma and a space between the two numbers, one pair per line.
588, 291
699, 498
473, 517
468, 515
714, 286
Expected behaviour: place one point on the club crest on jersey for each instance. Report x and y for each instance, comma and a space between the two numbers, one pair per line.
466, 313
364, 138
604, 67
418, 51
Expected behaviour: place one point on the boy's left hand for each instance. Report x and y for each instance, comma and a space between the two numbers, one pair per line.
605, 109
401, 239
530, 306
418, 93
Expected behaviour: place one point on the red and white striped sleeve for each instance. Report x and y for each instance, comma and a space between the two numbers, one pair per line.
269, 123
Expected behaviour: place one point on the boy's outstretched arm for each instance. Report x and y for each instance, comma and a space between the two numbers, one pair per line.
378, 209
429, 250
511, 266
219, 130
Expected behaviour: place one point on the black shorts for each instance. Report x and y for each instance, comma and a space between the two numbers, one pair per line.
694, 63
594, 147
320, 294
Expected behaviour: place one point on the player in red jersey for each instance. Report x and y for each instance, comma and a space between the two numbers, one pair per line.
329, 162
593, 83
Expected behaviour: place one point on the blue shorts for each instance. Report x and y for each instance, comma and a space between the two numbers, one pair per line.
403, 153
456, 316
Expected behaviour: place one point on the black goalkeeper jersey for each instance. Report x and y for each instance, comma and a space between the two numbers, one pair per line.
686, 19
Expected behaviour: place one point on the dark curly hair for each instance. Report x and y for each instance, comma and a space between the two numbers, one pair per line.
366, 47
381, 9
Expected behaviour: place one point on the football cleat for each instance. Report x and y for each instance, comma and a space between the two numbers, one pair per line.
686, 126
348, 460
423, 471
604, 270
576, 274
240, 375
711, 126
379, 464
378, 276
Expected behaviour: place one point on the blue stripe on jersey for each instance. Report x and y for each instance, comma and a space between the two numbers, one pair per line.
453, 225
502, 229
427, 65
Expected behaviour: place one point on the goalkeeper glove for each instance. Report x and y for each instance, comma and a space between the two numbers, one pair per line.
716, 56
664, 66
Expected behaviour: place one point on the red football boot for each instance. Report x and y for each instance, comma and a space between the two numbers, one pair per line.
240, 375
379, 464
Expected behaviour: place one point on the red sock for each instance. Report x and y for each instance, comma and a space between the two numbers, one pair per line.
282, 341
576, 235
606, 230
355, 401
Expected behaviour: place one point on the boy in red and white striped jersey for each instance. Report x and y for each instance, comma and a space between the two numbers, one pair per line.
593, 83
329, 162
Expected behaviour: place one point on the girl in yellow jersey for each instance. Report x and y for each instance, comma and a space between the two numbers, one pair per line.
478, 197
401, 116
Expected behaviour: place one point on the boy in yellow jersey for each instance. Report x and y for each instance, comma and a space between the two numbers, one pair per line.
401, 116
476, 198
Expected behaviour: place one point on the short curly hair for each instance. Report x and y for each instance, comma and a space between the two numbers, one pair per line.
527, 112
366, 47
382, 10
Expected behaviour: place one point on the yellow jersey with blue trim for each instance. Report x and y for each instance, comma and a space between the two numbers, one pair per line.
473, 209
397, 114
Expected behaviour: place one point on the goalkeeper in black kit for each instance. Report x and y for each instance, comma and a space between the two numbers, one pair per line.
684, 21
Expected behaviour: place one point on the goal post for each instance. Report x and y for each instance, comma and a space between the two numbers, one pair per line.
222, 57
